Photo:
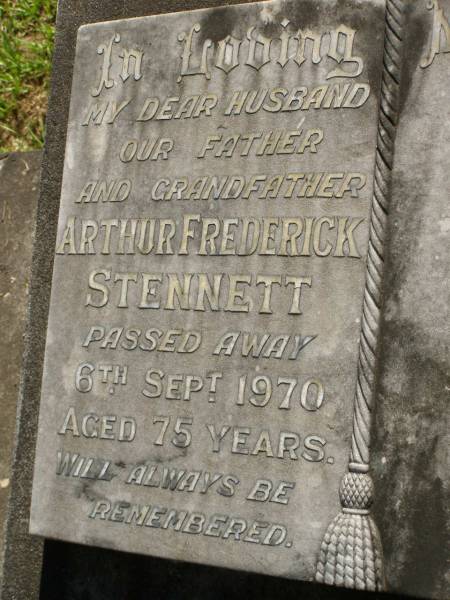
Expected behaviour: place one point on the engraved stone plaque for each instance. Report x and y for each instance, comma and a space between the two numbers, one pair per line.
209, 276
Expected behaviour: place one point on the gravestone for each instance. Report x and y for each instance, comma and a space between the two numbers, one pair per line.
211, 253
187, 130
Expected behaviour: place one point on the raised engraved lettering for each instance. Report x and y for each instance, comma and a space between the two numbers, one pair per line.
336, 44
440, 34
131, 64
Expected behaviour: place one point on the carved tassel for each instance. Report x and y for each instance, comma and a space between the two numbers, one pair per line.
351, 552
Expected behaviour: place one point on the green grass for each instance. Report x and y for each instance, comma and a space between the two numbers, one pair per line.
26, 43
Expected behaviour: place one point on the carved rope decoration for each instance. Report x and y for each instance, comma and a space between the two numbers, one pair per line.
351, 551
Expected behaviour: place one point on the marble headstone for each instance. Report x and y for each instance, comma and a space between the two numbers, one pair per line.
207, 299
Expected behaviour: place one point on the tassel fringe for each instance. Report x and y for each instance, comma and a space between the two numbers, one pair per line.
351, 554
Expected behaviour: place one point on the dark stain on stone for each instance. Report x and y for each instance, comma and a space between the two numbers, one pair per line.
416, 40
425, 566
216, 25
412, 506
85, 490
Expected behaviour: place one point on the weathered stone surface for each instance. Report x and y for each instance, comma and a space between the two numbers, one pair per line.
335, 144
19, 176
411, 432
79, 573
